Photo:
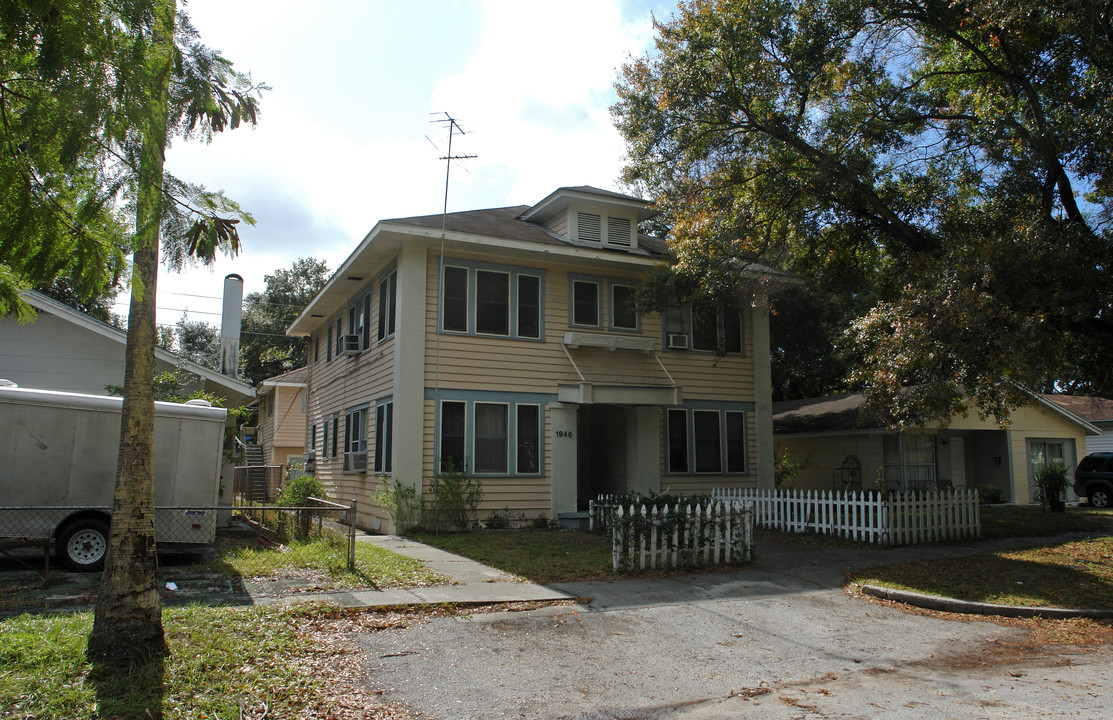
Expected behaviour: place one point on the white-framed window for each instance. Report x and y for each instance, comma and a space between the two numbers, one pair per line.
705, 441
355, 430
499, 301
388, 295
384, 436
355, 440
339, 335
910, 461
335, 435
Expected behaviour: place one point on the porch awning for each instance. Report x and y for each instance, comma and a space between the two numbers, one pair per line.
616, 369
586, 393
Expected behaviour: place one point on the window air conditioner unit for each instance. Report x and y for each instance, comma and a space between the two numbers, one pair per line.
355, 461
349, 345
676, 341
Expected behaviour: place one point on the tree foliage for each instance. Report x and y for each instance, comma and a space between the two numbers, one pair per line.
71, 104
947, 161
91, 91
265, 349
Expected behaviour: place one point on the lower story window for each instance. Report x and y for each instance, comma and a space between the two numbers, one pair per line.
490, 438
492, 432
384, 436
706, 441
452, 435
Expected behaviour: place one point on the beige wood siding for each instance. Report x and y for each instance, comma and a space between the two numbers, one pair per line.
502, 364
824, 455
342, 384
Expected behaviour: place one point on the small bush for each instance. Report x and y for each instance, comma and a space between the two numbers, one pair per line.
456, 498
542, 522
498, 520
990, 495
404, 503
296, 493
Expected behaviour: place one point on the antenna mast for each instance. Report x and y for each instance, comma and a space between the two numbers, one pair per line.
453, 128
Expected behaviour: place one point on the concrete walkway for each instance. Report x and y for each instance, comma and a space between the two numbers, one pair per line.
473, 583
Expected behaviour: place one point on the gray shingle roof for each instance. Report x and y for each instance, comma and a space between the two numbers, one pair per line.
506, 223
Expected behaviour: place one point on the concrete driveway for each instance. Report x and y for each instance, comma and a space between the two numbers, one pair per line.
779, 639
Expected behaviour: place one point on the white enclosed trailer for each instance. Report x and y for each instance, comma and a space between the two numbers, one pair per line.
58, 453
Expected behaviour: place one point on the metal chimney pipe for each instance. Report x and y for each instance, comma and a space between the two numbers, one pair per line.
230, 325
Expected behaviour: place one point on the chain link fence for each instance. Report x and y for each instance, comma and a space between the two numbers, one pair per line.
79, 534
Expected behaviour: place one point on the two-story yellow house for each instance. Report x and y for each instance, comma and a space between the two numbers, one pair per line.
510, 344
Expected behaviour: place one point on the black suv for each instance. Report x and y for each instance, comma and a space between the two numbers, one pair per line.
1094, 479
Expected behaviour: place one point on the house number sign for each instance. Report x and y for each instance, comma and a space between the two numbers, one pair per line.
564, 433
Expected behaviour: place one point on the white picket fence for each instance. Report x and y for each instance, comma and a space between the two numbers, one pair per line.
890, 519
695, 534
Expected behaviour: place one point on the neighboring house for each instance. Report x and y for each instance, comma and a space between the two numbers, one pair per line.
1095, 410
65, 349
835, 436
530, 365
281, 426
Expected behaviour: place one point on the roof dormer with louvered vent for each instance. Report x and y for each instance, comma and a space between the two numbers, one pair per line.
592, 216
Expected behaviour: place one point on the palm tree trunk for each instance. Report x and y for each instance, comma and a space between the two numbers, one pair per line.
127, 626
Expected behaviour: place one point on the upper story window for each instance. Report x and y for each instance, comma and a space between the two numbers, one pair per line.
598, 303
388, 294
492, 300
585, 303
596, 227
712, 329
359, 319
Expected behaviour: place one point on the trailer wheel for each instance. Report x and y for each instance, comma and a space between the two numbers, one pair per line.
82, 544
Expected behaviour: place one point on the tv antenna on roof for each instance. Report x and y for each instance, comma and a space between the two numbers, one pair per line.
453, 128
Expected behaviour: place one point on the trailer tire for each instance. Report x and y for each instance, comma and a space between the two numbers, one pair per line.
82, 544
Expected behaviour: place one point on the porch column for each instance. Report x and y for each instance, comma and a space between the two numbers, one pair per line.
564, 434
763, 393
643, 444
409, 368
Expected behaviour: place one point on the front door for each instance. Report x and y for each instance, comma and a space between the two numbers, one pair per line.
601, 452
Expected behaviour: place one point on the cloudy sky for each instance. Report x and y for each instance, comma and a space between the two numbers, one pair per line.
348, 136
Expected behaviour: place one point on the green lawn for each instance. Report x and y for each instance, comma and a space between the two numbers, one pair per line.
1076, 574
220, 658
541, 556
1002, 521
326, 560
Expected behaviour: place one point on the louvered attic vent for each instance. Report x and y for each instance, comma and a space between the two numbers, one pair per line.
618, 231
590, 227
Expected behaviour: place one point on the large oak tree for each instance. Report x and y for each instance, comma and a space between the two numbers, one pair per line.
950, 161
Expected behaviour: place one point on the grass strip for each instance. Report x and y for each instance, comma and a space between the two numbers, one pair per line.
327, 558
540, 556
224, 664
1076, 574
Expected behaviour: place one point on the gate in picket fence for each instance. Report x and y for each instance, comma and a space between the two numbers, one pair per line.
685, 535
899, 518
